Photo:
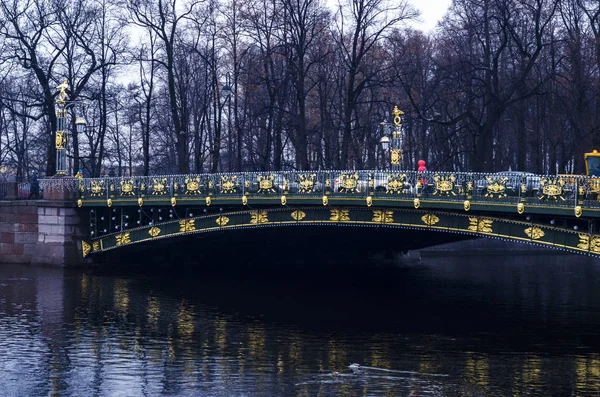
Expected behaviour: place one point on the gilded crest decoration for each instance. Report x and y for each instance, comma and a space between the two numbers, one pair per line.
187, 225
85, 248
154, 231
496, 187
307, 183
192, 185
444, 185
552, 189
369, 201
586, 244
349, 183
467, 205
122, 238
126, 187
395, 183
96, 245
339, 215
229, 184
258, 217
265, 184
222, 220
97, 188
159, 186
534, 233
395, 156
383, 216
480, 225
298, 215
430, 219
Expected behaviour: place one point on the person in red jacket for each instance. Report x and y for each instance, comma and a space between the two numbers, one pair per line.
421, 170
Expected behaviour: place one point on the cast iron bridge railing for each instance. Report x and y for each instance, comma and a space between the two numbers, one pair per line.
553, 210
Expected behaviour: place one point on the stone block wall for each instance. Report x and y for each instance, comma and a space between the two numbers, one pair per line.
18, 231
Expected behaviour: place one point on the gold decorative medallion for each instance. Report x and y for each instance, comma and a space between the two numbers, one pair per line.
348, 183
208, 201
283, 200
339, 215
480, 225
222, 220
586, 244
140, 201
79, 203
325, 200
187, 225
122, 238
430, 219
520, 208
397, 113
61, 140
307, 183
369, 201
244, 200
173, 201
534, 233
552, 189
85, 248
467, 205
154, 231
444, 185
259, 217
265, 184
298, 215
496, 187
127, 187
96, 245
395, 183
229, 184
395, 156
109, 202
192, 185
159, 186
417, 203
97, 188
578, 211
383, 216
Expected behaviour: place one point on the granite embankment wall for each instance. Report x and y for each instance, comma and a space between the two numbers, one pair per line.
45, 232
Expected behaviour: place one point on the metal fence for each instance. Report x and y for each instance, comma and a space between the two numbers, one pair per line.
23, 191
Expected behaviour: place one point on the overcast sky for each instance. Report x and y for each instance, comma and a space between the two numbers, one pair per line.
431, 12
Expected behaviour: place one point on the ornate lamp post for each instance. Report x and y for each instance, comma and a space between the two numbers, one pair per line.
62, 108
396, 140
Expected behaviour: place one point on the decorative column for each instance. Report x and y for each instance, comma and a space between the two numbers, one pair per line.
396, 150
61, 130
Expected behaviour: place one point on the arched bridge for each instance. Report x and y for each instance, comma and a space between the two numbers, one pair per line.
553, 211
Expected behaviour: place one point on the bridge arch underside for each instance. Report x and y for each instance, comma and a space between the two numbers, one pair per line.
571, 235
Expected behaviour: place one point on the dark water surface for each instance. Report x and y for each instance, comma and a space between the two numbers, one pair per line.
453, 326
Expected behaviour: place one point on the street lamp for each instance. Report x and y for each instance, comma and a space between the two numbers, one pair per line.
227, 92
62, 107
395, 141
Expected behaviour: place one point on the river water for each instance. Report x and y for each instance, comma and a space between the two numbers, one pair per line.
446, 326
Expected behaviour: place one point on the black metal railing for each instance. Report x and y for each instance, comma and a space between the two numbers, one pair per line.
506, 187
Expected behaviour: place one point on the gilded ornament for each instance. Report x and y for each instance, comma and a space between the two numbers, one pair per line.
298, 215
520, 208
369, 201
444, 185
430, 219
349, 183
397, 113
283, 200
85, 248
383, 216
208, 201
79, 203
578, 211
480, 225
192, 185
127, 188
96, 245
325, 200
258, 217
265, 184
187, 225
140, 201
109, 202
154, 231
173, 201
61, 140
159, 186
222, 220
244, 200
307, 183
496, 187
339, 215
534, 233
395, 156
122, 238
467, 205
552, 189
96, 188
229, 184
586, 244
62, 92
417, 203
395, 184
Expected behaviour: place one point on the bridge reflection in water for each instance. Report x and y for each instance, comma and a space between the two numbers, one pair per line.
520, 325
555, 211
